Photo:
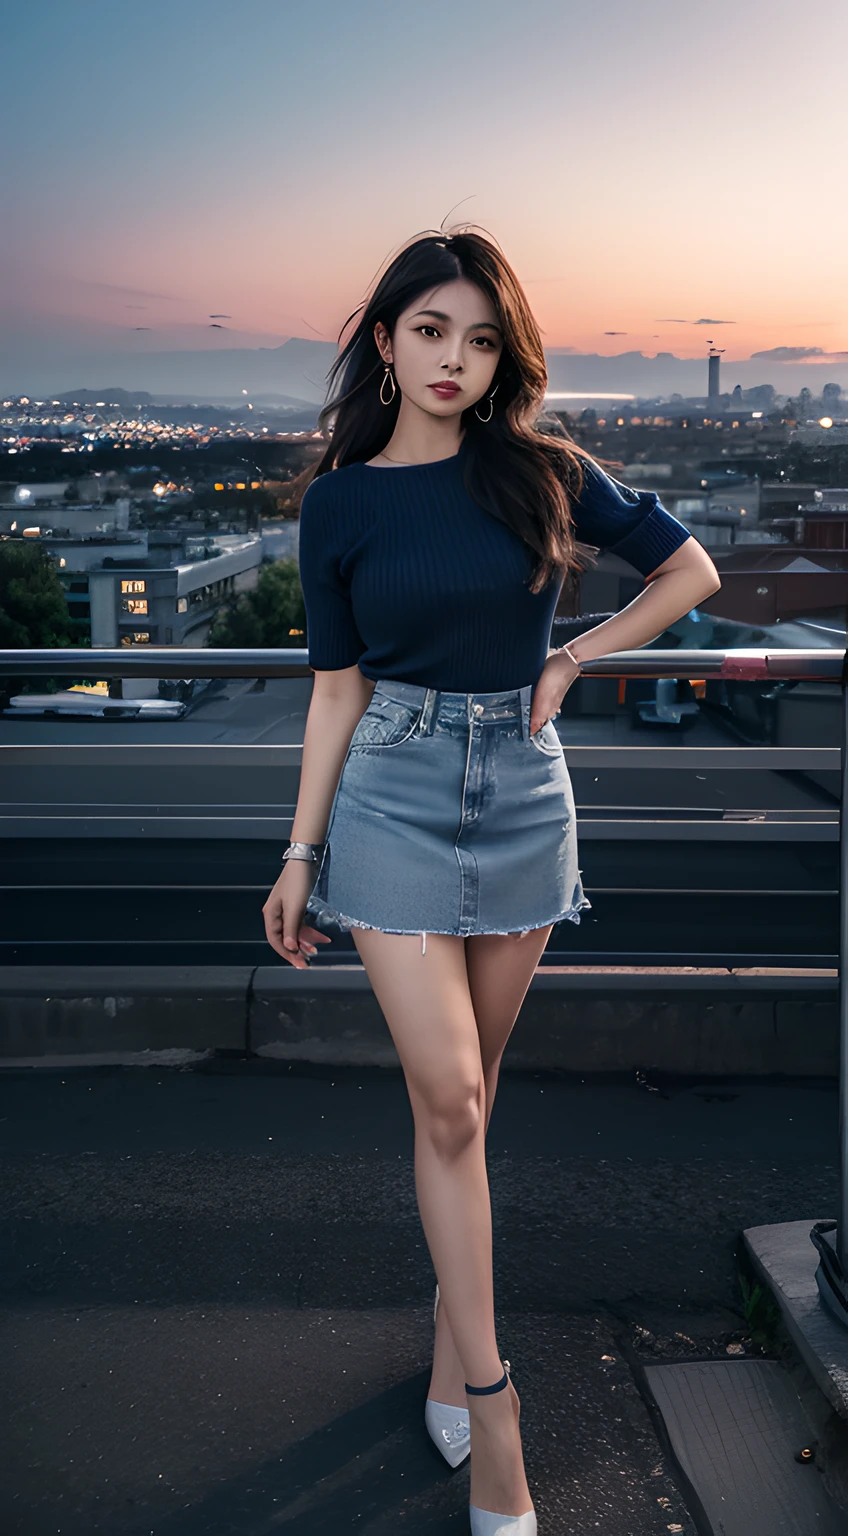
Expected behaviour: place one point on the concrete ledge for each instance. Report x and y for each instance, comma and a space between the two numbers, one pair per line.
105, 1012
786, 1260
714, 1024
685, 1023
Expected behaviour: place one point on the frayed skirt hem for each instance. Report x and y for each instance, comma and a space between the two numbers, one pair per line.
321, 908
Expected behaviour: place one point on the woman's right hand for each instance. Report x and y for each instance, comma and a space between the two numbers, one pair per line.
283, 913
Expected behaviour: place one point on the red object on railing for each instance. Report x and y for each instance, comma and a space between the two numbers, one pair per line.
749, 667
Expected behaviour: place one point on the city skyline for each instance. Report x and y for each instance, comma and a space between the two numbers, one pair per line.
196, 182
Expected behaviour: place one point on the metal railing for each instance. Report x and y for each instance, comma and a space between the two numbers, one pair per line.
825, 665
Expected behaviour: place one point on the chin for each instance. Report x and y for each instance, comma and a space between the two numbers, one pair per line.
439, 407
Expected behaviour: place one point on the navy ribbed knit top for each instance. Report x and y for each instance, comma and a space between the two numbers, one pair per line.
405, 574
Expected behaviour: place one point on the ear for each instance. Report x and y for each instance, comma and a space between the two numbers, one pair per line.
384, 346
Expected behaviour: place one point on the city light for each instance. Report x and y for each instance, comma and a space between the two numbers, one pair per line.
826, 421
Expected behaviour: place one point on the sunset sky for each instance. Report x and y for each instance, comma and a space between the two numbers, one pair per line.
177, 166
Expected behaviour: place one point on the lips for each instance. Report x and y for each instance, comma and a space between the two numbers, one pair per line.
445, 389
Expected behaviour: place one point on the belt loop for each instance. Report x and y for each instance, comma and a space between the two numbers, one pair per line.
525, 693
428, 710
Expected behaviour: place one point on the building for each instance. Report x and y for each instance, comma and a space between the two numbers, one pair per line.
144, 603
713, 365
130, 586
717, 513
825, 517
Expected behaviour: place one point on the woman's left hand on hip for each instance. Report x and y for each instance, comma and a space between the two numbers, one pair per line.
555, 679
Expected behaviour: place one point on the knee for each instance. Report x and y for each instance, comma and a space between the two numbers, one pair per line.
453, 1115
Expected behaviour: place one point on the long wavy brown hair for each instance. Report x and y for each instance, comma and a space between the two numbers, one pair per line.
523, 476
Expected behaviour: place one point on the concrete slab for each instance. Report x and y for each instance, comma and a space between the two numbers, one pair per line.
736, 1428
786, 1260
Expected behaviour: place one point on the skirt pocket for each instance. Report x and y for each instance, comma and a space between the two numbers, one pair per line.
546, 740
386, 723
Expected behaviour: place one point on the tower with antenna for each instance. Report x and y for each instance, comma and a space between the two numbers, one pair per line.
714, 364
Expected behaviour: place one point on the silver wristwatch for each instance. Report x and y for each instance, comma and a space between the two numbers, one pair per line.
310, 851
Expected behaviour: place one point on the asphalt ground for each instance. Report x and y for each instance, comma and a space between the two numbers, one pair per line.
217, 1296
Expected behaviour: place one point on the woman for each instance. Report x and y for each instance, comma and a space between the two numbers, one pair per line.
434, 802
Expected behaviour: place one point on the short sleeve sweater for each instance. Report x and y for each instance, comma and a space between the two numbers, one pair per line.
404, 574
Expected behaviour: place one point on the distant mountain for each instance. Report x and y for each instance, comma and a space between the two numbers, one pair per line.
293, 373
110, 393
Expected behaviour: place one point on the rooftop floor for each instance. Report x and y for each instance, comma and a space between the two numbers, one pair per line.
218, 1296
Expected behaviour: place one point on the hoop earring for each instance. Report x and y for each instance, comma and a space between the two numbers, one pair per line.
490, 398
388, 375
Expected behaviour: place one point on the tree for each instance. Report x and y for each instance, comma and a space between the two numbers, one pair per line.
264, 617
33, 611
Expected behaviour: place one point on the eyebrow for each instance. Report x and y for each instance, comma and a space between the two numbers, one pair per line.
439, 314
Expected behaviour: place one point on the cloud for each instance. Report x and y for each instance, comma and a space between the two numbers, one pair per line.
789, 354
669, 320
615, 333
220, 317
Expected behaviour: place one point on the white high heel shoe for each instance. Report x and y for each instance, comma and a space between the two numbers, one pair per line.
484, 1522
448, 1426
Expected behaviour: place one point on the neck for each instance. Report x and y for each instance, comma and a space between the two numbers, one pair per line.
409, 444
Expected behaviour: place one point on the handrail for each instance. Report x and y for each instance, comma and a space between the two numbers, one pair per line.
744, 664
825, 665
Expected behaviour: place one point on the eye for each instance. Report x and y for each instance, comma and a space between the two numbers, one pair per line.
485, 339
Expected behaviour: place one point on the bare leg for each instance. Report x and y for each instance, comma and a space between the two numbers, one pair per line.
427, 1004
500, 969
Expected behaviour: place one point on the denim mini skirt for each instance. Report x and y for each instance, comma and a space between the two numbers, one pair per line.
449, 817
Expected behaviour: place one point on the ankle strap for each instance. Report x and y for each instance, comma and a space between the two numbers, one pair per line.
483, 1391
